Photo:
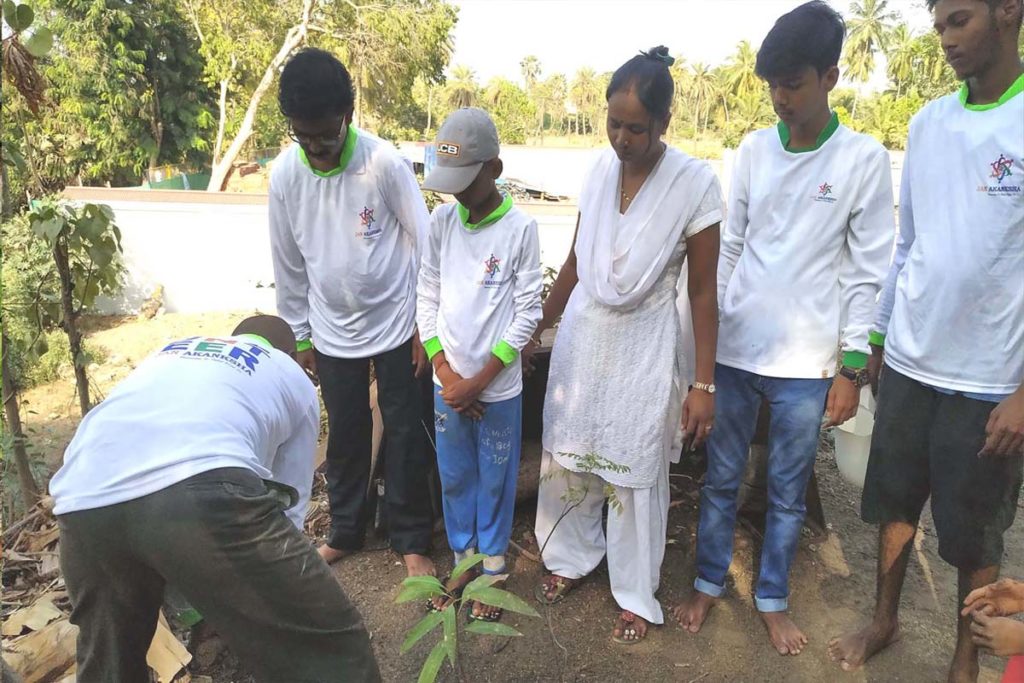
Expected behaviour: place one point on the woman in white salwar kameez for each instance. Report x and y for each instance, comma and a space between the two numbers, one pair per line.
615, 389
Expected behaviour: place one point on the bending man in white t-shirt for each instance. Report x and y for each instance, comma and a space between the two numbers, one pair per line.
196, 472
347, 221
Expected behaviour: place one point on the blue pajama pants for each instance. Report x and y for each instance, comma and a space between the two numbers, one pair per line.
478, 461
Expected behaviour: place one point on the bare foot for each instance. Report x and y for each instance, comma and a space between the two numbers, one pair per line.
850, 651
784, 634
454, 590
332, 555
692, 613
419, 565
488, 612
629, 628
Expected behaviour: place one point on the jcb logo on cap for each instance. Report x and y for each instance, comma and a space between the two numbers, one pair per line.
448, 148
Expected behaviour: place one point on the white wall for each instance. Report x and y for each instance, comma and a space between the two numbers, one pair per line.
212, 256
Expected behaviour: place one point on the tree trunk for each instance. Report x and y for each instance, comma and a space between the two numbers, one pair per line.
156, 125
295, 36
430, 112
222, 110
70, 322
6, 208
12, 414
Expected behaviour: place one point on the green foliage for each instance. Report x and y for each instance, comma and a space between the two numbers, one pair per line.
481, 589
53, 359
125, 90
32, 293
511, 109
574, 496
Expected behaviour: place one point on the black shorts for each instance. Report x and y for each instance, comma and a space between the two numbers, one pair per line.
926, 443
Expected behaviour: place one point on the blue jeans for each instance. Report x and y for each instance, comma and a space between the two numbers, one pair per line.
797, 407
478, 461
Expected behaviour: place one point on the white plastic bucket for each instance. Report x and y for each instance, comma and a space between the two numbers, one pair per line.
853, 441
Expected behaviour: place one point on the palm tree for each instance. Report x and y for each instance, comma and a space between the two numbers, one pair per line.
869, 28
463, 90
582, 93
530, 67
900, 56
703, 90
740, 74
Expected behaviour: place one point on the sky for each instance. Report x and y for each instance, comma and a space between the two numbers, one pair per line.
492, 36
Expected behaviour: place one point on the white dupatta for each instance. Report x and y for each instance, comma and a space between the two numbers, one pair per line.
619, 257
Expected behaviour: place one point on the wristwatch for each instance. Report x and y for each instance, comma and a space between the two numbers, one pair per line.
858, 376
710, 388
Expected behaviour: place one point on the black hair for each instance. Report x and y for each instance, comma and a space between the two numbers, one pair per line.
270, 327
811, 35
647, 74
991, 6
315, 85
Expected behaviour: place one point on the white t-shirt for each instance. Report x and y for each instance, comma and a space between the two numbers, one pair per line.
953, 306
346, 248
198, 404
480, 289
805, 246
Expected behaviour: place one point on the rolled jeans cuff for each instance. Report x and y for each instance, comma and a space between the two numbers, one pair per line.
771, 604
708, 588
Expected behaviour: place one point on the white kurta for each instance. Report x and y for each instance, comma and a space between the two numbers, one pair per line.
615, 389
615, 384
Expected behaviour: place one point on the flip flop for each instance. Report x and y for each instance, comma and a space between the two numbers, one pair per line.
496, 616
455, 595
627, 618
562, 586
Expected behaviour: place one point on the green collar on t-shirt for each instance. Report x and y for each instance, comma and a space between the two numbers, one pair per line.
826, 133
347, 150
1016, 89
492, 217
262, 341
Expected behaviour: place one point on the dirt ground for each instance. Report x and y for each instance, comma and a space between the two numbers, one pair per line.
832, 579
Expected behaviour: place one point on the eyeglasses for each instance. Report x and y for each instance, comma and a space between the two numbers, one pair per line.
320, 140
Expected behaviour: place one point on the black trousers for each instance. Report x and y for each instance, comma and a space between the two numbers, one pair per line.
345, 387
222, 539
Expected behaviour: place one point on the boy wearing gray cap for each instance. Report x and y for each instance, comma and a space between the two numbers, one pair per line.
478, 302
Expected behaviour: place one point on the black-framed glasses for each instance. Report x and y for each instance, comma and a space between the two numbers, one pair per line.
321, 140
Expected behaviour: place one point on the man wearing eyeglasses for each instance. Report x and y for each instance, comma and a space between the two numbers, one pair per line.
347, 222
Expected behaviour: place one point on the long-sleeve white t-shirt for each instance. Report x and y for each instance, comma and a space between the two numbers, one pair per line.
346, 247
198, 404
805, 246
479, 292
951, 314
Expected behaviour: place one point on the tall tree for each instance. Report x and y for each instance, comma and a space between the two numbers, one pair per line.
583, 93
869, 26
512, 110
740, 71
463, 90
531, 70
900, 57
703, 90
126, 92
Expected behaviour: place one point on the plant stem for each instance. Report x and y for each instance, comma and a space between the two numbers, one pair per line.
12, 413
70, 322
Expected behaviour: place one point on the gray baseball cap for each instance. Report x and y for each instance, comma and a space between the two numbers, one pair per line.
466, 140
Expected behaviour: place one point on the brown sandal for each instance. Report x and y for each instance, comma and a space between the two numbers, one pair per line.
560, 585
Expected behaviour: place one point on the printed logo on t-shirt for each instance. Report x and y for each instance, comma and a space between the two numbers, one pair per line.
825, 194
1001, 172
492, 267
367, 220
243, 356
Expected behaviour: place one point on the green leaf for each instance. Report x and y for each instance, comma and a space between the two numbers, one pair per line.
480, 582
428, 674
101, 257
495, 597
10, 13
492, 628
25, 15
450, 641
49, 228
12, 157
40, 42
420, 588
105, 210
422, 628
467, 564
41, 346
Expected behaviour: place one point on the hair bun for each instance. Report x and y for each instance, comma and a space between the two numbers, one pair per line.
659, 54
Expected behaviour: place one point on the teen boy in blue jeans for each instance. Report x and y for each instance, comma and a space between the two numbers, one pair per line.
804, 253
